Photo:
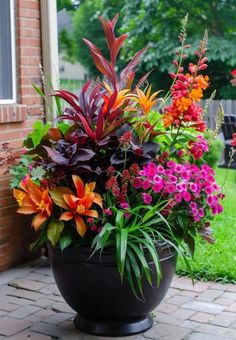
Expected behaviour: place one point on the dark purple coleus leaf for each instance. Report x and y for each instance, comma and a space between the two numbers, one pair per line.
82, 155
56, 156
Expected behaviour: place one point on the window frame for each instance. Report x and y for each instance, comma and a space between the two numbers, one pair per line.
13, 57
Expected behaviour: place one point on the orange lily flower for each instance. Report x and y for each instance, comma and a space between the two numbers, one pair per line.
146, 101
77, 205
33, 199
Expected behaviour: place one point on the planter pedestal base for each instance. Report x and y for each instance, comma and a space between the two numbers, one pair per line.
113, 328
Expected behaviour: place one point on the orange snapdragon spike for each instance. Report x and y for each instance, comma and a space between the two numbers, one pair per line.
33, 199
146, 101
79, 205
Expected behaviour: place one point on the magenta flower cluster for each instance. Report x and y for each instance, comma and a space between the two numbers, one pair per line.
183, 186
198, 147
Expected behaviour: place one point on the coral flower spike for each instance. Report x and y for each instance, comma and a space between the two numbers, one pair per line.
80, 205
32, 199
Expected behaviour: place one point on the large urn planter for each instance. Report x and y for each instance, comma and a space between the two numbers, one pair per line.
93, 288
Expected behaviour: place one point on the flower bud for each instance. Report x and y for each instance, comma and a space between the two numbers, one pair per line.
175, 62
172, 75
202, 67
203, 60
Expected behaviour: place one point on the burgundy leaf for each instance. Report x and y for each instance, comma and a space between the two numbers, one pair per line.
101, 63
109, 32
114, 21
70, 93
144, 77
131, 65
129, 81
116, 47
68, 98
112, 101
115, 114
86, 126
100, 125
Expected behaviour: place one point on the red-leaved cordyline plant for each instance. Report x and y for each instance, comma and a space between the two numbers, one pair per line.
122, 168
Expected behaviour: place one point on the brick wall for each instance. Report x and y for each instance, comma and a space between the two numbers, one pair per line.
15, 123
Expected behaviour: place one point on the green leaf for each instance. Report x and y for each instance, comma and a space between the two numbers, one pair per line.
140, 255
40, 130
41, 240
119, 218
63, 127
39, 91
58, 105
54, 230
130, 278
101, 240
37, 173
65, 241
183, 221
136, 269
121, 247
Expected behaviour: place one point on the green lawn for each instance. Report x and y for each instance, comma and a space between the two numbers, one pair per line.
218, 261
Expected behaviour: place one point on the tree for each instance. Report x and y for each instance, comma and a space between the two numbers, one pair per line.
155, 23
86, 25
69, 5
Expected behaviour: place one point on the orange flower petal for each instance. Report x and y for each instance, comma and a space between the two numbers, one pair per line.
98, 199
66, 216
91, 213
80, 226
27, 210
35, 192
79, 185
89, 187
38, 220
71, 201
87, 201
24, 183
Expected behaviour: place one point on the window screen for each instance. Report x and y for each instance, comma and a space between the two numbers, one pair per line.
7, 90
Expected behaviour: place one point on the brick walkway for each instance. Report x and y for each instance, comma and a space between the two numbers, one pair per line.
31, 308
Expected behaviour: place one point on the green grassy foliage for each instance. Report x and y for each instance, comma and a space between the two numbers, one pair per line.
218, 261
71, 85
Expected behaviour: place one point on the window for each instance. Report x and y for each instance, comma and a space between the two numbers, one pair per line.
7, 53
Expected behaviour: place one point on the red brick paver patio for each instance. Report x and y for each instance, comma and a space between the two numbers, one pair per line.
31, 307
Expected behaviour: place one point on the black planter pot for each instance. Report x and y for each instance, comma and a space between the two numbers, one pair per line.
105, 306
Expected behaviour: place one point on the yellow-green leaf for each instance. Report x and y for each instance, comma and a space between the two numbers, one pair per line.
54, 230
57, 196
